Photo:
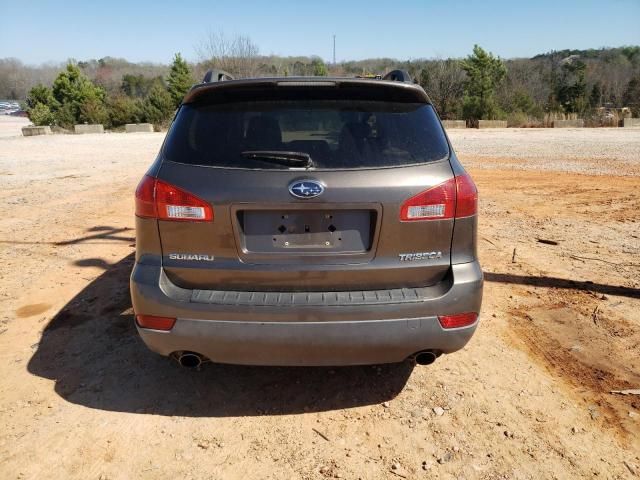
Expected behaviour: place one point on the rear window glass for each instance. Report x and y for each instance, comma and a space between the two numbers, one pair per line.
336, 134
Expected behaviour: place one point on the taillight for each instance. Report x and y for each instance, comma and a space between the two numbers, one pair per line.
155, 323
456, 197
173, 203
458, 320
438, 202
159, 199
467, 197
145, 194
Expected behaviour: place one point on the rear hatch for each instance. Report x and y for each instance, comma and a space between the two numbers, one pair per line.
313, 186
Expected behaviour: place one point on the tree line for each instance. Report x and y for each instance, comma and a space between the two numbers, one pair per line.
74, 98
585, 83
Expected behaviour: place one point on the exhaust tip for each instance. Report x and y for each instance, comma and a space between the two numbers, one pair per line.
190, 359
425, 358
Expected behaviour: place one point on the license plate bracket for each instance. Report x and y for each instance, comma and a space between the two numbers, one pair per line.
266, 231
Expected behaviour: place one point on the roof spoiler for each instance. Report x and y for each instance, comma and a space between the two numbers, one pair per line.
398, 76
215, 75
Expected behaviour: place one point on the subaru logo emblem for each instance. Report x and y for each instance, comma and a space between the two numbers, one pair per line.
306, 189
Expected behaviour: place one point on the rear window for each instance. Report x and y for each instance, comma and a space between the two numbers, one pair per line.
336, 134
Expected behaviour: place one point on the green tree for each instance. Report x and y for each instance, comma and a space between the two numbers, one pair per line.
571, 89
93, 110
77, 98
123, 109
180, 80
40, 105
484, 73
40, 94
66, 116
138, 86
41, 114
522, 102
319, 68
631, 52
158, 106
631, 96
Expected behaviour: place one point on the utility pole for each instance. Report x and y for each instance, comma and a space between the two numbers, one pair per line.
334, 50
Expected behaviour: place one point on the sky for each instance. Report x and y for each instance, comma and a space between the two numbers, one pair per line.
39, 31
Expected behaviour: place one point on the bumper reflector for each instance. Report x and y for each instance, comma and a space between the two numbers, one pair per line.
155, 323
458, 320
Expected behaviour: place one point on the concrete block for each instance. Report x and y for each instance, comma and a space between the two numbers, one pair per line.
631, 122
93, 128
31, 131
492, 124
576, 123
454, 124
138, 127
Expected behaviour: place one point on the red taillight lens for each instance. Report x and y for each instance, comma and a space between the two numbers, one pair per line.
467, 196
437, 203
458, 320
457, 197
155, 323
176, 204
159, 199
145, 194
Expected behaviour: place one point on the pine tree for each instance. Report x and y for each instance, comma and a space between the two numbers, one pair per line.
180, 79
571, 89
77, 99
40, 114
40, 105
158, 106
484, 73
40, 94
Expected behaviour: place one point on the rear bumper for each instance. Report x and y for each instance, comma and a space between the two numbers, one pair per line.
315, 333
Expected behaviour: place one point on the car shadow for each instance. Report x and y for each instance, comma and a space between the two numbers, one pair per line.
106, 234
564, 283
93, 353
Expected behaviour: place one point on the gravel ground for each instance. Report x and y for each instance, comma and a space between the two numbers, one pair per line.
600, 151
529, 397
11, 126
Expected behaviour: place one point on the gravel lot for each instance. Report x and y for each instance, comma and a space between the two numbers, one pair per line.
528, 398
602, 151
11, 126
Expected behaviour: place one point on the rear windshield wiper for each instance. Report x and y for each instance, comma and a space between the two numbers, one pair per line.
290, 159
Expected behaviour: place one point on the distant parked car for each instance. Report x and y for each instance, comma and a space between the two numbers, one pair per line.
306, 221
9, 107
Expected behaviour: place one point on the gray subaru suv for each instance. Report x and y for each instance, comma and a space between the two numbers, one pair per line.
306, 221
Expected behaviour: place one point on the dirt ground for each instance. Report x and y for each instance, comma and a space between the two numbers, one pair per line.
529, 397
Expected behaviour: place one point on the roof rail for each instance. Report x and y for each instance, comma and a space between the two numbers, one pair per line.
215, 75
398, 76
